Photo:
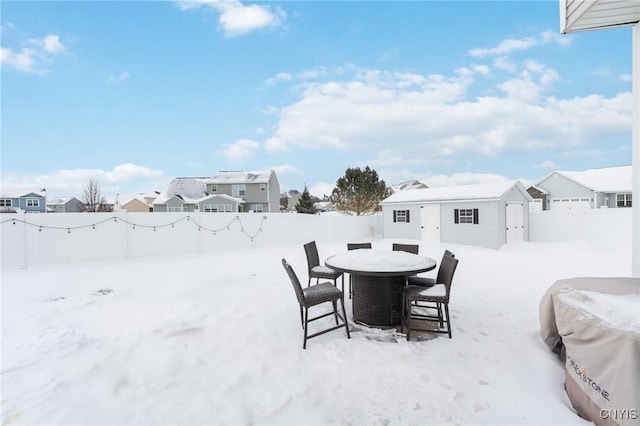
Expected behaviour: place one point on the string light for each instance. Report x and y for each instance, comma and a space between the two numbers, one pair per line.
189, 219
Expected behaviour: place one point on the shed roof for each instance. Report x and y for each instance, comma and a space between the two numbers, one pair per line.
481, 191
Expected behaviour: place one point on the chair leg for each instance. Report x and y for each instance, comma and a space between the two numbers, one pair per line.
344, 312
301, 318
350, 285
440, 319
335, 310
309, 282
446, 311
306, 326
403, 313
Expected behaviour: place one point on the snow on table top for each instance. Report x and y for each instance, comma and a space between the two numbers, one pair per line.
371, 260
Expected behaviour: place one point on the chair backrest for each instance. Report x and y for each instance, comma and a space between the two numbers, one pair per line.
313, 259
445, 272
295, 282
357, 246
409, 248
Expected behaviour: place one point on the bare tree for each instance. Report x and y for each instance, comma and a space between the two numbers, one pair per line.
92, 198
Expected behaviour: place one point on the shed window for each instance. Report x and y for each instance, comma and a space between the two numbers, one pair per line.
401, 216
466, 216
623, 200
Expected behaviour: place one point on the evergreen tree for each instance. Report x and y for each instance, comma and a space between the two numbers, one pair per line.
305, 203
359, 192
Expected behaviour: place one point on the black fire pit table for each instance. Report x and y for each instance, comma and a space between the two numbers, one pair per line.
378, 279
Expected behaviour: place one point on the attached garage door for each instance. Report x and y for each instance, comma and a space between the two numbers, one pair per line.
570, 203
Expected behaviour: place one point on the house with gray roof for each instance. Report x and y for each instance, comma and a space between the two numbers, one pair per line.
29, 201
64, 205
227, 191
606, 187
487, 215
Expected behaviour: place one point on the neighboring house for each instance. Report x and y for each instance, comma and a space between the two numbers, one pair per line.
607, 187
28, 201
410, 184
539, 196
486, 215
293, 202
139, 203
65, 205
257, 191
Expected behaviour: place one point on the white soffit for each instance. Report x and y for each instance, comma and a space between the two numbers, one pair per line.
583, 15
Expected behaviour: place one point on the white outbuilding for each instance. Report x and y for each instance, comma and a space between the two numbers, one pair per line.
487, 215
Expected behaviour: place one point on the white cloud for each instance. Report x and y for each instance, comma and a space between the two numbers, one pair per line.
34, 56
238, 19
321, 189
408, 118
51, 44
241, 150
285, 169
508, 46
118, 78
440, 180
71, 182
22, 61
549, 164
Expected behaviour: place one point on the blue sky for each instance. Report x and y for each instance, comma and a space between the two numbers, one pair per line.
133, 94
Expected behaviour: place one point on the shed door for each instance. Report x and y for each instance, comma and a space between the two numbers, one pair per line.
515, 222
430, 222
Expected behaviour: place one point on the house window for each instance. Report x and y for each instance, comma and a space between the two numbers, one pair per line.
239, 190
263, 187
5, 202
623, 200
466, 216
33, 202
401, 216
258, 208
172, 209
217, 208
214, 188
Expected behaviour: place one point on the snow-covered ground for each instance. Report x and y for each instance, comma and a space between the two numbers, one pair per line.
216, 339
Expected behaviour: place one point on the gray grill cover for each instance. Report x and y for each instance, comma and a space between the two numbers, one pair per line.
602, 345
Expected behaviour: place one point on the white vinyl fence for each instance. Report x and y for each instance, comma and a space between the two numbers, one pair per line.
30, 240
606, 228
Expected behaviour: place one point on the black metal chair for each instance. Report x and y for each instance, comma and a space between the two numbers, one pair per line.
315, 295
437, 294
355, 246
426, 281
318, 271
409, 248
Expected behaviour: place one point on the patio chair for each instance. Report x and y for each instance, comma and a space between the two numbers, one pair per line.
356, 246
438, 294
315, 295
426, 281
409, 248
320, 271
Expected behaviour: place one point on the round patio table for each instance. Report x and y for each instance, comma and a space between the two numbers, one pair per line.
378, 279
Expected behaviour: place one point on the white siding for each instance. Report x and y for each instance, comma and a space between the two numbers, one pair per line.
487, 233
401, 229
